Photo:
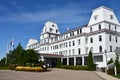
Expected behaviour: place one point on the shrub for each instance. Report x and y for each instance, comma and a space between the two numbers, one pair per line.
27, 68
13, 66
73, 67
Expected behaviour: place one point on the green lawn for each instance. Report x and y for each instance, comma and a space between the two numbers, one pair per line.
118, 76
4, 68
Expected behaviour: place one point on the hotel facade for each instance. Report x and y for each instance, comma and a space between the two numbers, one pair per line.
101, 35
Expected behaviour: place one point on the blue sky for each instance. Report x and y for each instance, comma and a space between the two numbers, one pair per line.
24, 19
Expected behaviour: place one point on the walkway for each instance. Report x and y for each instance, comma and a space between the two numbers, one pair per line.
104, 76
54, 74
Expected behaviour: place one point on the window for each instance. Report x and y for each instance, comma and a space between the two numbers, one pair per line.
86, 49
110, 38
78, 41
73, 51
115, 28
49, 35
100, 48
100, 37
80, 30
70, 34
69, 52
111, 17
79, 51
73, 43
90, 29
53, 25
69, 44
66, 36
110, 48
86, 40
91, 40
116, 39
95, 17
56, 31
109, 27
99, 26
66, 44
91, 49
51, 29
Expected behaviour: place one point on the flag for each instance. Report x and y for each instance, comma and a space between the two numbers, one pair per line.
12, 43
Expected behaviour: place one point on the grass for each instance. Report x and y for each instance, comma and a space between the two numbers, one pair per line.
4, 68
118, 76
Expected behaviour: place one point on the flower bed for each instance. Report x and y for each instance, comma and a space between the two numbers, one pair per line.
27, 68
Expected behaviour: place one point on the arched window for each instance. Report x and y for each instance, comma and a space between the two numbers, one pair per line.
100, 48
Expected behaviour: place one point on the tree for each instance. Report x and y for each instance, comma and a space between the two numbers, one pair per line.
2, 61
22, 57
117, 61
110, 61
16, 56
31, 56
90, 63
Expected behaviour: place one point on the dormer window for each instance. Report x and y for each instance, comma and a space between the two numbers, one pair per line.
99, 26
95, 17
56, 31
111, 17
51, 29
53, 25
91, 29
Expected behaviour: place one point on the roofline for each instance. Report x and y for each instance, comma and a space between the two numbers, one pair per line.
102, 7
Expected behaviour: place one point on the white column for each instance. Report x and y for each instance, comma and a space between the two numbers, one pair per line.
74, 61
61, 60
83, 61
67, 60
42, 58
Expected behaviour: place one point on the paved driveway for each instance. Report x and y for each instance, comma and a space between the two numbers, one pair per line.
54, 74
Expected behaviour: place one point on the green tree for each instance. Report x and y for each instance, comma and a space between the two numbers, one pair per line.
110, 61
2, 61
16, 56
31, 56
117, 61
90, 63
21, 56
59, 63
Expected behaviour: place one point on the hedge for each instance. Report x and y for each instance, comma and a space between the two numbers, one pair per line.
73, 67
27, 68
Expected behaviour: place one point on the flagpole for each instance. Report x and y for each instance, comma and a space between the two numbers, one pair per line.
7, 48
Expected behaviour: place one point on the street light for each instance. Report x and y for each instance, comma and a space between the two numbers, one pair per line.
105, 51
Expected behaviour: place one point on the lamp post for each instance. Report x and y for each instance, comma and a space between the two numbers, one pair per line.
105, 51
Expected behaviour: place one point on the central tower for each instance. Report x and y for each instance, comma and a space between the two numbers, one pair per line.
50, 30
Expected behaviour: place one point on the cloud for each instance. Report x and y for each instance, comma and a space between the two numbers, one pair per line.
65, 14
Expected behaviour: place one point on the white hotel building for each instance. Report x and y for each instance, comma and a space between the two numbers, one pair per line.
101, 35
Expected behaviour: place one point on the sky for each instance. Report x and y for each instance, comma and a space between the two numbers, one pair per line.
24, 19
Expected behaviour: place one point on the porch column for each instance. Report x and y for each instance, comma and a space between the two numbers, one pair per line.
67, 60
62, 60
83, 61
74, 61
42, 58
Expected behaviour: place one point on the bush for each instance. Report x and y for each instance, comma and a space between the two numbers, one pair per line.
13, 66
73, 67
27, 68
